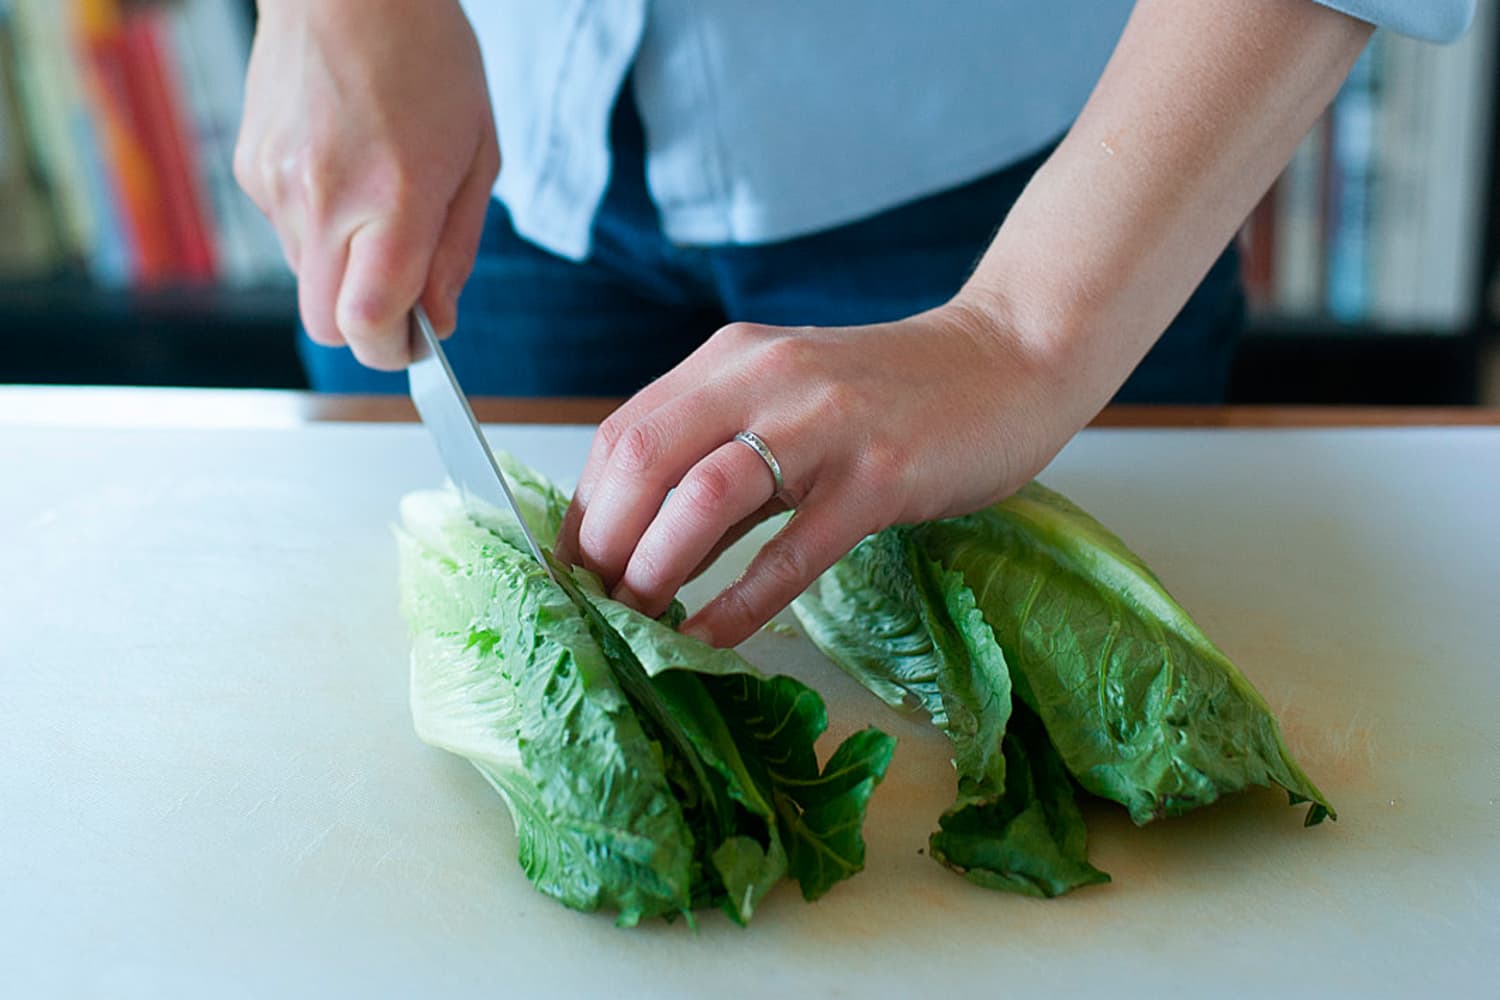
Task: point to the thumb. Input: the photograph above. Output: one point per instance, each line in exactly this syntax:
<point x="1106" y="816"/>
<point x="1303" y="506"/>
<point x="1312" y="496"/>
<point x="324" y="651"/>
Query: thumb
<point x="388" y="263"/>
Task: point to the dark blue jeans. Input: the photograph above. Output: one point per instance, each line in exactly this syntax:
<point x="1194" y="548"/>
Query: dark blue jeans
<point x="535" y="324"/>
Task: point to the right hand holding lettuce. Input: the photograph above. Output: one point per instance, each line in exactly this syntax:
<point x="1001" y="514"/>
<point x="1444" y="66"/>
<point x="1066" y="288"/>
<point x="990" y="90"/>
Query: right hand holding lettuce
<point x="369" y="142"/>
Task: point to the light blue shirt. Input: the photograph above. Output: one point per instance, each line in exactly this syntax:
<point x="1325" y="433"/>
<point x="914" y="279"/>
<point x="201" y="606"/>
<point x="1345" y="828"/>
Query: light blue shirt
<point x="769" y="119"/>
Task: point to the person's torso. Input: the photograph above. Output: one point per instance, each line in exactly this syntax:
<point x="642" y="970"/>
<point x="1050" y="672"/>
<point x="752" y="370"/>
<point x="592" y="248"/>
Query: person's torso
<point x="777" y="118"/>
<point x="771" y="119"/>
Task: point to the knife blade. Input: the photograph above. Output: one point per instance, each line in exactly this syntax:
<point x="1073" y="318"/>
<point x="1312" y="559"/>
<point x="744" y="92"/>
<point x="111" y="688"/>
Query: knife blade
<point x="447" y="415"/>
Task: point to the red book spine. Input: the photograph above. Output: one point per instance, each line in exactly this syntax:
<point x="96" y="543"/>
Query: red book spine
<point x="168" y="142"/>
<point x="133" y="179"/>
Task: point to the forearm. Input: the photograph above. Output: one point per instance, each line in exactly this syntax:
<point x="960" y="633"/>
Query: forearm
<point x="1201" y="106"/>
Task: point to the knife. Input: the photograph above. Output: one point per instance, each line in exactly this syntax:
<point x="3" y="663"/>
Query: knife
<point x="447" y="415"/>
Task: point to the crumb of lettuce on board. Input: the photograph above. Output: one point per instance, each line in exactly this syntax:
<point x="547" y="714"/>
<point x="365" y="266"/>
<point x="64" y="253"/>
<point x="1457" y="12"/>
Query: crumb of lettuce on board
<point x="1054" y="659"/>
<point x="647" y="773"/>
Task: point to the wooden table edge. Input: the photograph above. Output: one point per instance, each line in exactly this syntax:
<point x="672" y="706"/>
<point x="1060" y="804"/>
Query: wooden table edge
<point x="106" y="407"/>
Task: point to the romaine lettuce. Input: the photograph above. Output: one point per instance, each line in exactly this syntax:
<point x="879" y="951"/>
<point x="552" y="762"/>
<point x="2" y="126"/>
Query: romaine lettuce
<point x="1049" y="653"/>
<point x="646" y="772"/>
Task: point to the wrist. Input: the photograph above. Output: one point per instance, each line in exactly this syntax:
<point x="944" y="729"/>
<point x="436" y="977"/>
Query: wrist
<point x="1036" y="338"/>
<point x="1068" y="301"/>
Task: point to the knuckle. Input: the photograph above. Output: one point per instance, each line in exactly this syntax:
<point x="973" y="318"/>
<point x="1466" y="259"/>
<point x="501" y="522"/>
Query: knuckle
<point x="322" y="177"/>
<point x="596" y="549"/>
<point x="839" y="402"/>
<point x="272" y="173"/>
<point x="783" y="565"/>
<point x="887" y="466"/>
<point x="610" y="431"/>
<point x="361" y="323"/>
<point x="280" y="177"/>
<point x="638" y="450"/>
<point x="707" y="488"/>
<point x="590" y="536"/>
<point x="391" y="181"/>
<point x="314" y="174"/>
<point x="734" y="611"/>
<point x="362" y="316"/>
<point x="647" y="573"/>
<point x="243" y="165"/>
<point x="784" y="357"/>
<point x="741" y="332"/>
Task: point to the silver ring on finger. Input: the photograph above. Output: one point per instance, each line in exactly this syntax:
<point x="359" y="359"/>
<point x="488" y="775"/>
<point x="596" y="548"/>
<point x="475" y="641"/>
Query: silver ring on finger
<point x="752" y="440"/>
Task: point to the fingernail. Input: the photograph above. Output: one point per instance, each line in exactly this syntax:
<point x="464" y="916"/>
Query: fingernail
<point x="697" y="630"/>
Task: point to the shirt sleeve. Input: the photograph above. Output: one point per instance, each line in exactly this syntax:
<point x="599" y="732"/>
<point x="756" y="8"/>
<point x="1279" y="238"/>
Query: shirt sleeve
<point x="1429" y="20"/>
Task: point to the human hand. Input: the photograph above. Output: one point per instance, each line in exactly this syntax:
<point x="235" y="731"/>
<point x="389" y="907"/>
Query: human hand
<point x="950" y="410"/>
<point x="368" y="141"/>
<point x="900" y="422"/>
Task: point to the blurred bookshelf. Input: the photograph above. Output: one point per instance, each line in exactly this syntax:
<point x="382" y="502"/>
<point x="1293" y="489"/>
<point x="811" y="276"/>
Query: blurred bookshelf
<point x="1367" y="263"/>
<point x="128" y="255"/>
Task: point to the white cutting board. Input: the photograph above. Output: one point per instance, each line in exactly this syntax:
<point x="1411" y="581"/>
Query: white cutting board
<point x="209" y="784"/>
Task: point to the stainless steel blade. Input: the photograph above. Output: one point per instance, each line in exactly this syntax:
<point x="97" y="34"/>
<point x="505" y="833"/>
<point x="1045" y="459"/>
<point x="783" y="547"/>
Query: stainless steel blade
<point x="446" y="412"/>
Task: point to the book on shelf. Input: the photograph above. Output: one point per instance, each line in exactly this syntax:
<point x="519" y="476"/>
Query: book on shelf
<point x="30" y="240"/>
<point x="170" y="144"/>
<point x="126" y="114"/>
<point x="1377" y="221"/>
<point x="1350" y="203"/>
<point x="207" y="36"/>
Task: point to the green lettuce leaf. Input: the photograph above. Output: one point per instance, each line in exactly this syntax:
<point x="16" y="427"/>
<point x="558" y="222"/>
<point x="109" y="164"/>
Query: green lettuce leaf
<point x="773" y="723"/>
<point x="1048" y="653"/>
<point x="1030" y="839"/>
<point x="646" y="772"/>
